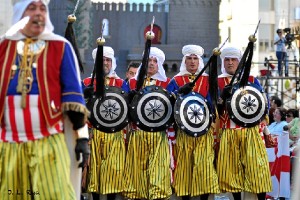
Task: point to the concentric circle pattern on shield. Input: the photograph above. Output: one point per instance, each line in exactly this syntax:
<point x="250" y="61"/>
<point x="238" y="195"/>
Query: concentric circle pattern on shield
<point x="152" y="109"/>
<point x="247" y="105"/>
<point x="192" y="114"/>
<point x="109" y="114"/>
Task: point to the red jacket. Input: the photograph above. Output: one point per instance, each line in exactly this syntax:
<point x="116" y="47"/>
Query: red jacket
<point x="48" y="77"/>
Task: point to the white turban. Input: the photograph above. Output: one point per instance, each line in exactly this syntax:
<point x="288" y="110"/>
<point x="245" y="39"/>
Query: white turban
<point x="108" y="52"/>
<point x="160" y="57"/>
<point x="19" y="7"/>
<point x="189" y="50"/>
<point x="229" y="52"/>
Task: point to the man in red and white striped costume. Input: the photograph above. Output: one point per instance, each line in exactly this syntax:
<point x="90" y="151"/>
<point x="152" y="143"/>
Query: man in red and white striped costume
<point x="39" y="85"/>
<point x="242" y="159"/>
<point x="195" y="174"/>
<point x="147" y="167"/>
<point x="107" y="161"/>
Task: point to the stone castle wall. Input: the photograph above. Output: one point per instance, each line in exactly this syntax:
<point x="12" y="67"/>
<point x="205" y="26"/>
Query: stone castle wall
<point x="185" y="22"/>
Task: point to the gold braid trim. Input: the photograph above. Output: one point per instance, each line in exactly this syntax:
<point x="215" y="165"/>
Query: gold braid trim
<point x="77" y="107"/>
<point x="147" y="81"/>
<point x="25" y="75"/>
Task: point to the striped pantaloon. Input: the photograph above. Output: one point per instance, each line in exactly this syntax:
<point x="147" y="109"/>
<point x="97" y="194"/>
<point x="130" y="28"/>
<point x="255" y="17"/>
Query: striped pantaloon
<point x="37" y="169"/>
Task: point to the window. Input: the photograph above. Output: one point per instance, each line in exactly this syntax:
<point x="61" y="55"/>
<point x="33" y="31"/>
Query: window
<point x="105" y="25"/>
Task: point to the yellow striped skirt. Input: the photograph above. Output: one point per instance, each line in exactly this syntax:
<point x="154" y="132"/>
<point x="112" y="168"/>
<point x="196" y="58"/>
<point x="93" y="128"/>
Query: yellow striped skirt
<point x="147" y="170"/>
<point x="195" y="173"/>
<point x="107" y="163"/>
<point x="242" y="162"/>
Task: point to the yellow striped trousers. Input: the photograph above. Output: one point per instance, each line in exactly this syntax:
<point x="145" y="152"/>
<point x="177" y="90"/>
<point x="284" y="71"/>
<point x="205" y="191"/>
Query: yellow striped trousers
<point x="195" y="173"/>
<point x="37" y="169"/>
<point x="242" y="162"/>
<point x="147" y="170"/>
<point x="107" y="162"/>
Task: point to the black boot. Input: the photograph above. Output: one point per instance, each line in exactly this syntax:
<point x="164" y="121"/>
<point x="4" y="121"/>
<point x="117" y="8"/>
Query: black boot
<point x="261" y="196"/>
<point x="111" y="196"/>
<point x="204" y="196"/>
<point x="187" y="197"/>
<point x="96" y="196"/>
<point x="237" y="196"/>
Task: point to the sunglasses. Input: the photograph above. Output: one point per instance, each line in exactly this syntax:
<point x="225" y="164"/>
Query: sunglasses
<point x="288" y="115"/>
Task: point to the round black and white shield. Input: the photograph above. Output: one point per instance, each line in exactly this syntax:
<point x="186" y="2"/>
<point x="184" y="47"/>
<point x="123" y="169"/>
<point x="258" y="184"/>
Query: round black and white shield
<point x="152" y="108"/>
<point x="109" y="114"/>
<point x="247" y="106"/>
<point x="192" y="114"/>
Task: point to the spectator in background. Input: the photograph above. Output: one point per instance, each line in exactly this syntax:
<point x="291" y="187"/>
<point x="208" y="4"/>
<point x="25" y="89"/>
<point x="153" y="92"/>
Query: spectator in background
<point x="275" y="103"/>
<point x="280" y="171"/>
<point x="280" y="49"/>
<point x="293" y="126"/>
<point x="131" y="70"/>
<point x="276" y="128"/>
<point x="291" y="114"/>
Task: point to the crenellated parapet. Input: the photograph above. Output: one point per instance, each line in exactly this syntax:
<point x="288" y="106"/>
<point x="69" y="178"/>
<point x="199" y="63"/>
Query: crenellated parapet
<point x="206" y="3"/>
<point x="120" y="7"/>
<point x="179" y="22"/>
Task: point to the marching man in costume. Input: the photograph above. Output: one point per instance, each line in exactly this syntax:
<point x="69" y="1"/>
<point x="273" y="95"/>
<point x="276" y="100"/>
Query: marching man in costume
<point x="39" y="87"/>
<point x="147" y="171"/>
<point x="107" y="159"/>
<point x="195" y="173"/>
<point x="242" y="159"/>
